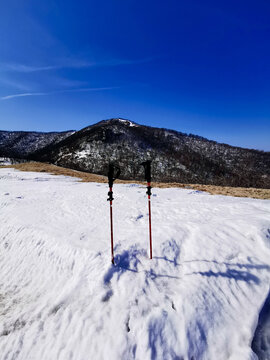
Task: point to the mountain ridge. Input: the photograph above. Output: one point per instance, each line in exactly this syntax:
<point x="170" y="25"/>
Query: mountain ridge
<point x="21" y="143"/>
<point x="176" y="156"/>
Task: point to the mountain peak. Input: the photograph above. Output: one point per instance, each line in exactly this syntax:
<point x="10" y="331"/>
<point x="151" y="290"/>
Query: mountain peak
<point x="123" y="121"/>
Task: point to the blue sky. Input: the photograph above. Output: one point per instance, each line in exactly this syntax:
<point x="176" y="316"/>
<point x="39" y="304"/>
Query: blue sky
<point x="200" y="67"/>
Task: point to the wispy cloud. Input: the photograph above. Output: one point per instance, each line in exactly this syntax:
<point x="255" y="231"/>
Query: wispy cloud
<point x="27" y="68"/>
<point x="8" y="97"/>
<point x="71" y="64"/>
<point x="14" y="83"/>
<point x="117" y="62"/>
<point x="22" y="68"/>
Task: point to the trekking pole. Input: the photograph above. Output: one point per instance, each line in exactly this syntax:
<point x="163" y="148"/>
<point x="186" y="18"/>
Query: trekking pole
<point x="111" y="178"/>
<point x="147" y="170"/>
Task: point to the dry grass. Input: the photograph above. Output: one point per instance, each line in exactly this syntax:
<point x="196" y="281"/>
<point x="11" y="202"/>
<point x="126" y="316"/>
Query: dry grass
<point x="86" y="177"/>
<point x="225" y="190"/>
<point x="57" y="170"/>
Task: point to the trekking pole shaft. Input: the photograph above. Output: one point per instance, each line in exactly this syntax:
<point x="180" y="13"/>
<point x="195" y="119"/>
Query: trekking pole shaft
<point x="111" y="218"/>
<point x="150" y="225"/>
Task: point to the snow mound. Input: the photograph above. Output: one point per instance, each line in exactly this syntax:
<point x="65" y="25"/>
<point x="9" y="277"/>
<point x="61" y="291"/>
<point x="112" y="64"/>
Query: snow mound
<point x="61" y="298"/>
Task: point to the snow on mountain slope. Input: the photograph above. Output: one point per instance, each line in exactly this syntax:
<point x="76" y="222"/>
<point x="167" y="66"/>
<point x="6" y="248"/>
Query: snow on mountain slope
<point x="60" y="297"/>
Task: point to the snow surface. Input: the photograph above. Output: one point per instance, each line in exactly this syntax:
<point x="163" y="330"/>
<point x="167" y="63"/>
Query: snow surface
<point x="60" y="297"/>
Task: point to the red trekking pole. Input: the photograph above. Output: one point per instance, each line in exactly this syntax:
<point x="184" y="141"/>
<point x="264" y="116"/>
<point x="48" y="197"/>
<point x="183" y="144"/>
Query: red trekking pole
<point x="111" y="179"/>
<point x="147" y="170"/>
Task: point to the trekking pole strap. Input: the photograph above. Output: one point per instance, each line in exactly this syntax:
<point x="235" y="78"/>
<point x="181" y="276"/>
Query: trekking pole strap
<point x="110" y="194"/>
<point x="113" y="174"/>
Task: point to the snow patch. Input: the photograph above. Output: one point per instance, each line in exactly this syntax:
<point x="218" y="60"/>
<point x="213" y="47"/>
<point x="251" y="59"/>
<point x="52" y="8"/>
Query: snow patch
<point x="127" y="122"/>
<point x="5" y="161"/>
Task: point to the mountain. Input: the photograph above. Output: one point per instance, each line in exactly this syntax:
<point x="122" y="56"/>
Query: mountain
<point x="19" y="144"/>
<point x="176" y="156"/>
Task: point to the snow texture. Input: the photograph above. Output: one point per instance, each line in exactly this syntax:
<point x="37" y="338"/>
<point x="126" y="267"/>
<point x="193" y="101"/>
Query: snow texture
<point x="61" y="298"/>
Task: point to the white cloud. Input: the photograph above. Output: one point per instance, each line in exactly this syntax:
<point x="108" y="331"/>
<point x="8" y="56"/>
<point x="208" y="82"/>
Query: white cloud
<point x="30" y="68"/>
<point x="8" y="97"/>
<point x="71" y="64"/>
<point x="14" y="83"/>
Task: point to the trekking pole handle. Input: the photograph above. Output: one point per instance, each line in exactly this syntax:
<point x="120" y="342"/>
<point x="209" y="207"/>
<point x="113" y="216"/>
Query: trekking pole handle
<point x="147" y="170"/>
<point x="111" y="174"/>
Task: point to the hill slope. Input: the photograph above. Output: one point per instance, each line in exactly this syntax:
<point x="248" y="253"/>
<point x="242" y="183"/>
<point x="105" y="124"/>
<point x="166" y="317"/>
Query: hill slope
<point x="19" y="144"/>
<point x="176" y="156"/>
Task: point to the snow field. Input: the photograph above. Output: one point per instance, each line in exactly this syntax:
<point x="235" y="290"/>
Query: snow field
<point x="60" y="297"/>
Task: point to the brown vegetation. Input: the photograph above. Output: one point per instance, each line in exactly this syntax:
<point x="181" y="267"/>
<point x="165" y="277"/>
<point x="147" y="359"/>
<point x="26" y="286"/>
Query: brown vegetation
<point x="57" y="170"/>
<point x="86" y="177"/>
